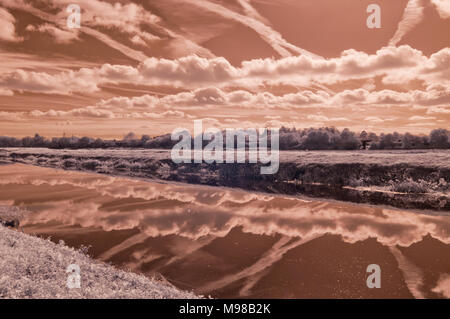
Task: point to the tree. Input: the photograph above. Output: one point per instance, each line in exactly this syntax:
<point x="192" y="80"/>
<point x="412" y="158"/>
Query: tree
<point x="439" y="138"/>
<point x="348" y="140"/>
<point x="317" y="140"/>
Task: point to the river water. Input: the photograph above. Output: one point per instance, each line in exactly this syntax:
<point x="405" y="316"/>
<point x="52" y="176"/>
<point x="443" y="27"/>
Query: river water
<point x="230" y="243"/>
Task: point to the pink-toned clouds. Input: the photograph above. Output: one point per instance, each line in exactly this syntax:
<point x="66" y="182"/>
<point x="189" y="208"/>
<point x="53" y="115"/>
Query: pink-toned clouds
<point x="299" y="218"/>
<point x="394" y="64"/>
<point x="412" y="16"/>
<point x="7" y="28"/>
<point x="60" y="36"/>
<point x="443" y="7"/>
<point x="166" y="73"/>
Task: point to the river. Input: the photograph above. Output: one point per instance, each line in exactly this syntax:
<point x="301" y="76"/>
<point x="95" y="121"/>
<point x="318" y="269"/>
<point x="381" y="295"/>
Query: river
<point x="229" y="243"/>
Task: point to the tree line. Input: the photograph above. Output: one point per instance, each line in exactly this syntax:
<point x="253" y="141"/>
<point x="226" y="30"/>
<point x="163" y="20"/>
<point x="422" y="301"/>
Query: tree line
<point x="326" y="138"/>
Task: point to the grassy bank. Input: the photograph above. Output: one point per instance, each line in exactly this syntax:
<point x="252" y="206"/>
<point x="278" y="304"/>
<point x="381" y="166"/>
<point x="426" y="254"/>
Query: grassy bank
<point x="33" y="267"/>
<point x="404" y="179"/>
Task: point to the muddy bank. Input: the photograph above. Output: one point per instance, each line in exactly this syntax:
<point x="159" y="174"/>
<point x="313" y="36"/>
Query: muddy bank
<point x="404" y="180"/>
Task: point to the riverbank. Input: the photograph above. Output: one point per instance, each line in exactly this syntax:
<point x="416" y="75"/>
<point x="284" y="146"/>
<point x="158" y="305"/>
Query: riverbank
<point x="403" y="179"/>
<point x="35" y="268"/>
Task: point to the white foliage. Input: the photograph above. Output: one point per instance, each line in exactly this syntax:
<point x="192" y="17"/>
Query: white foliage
<point x="32" y="267"/>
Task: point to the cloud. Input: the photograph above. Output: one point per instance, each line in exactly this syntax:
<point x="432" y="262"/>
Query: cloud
<point x="323" y="118"/>
<point x="12" y="61"/>
<point x="443" y="286"/>
<point x="436" y="69"/>
<point x="61" y="83"/>
<point x="60" y="20"/>
<point x="60" y="36"/>
<point x="269" y="258"/>
<point x="299" y="218"/>
<point x="412" y="16"/>
<point x="438" y="110"/>
<point x="127" y="18"/>
<point x="431" y="96"/>
<point x="11" y="116"/>
<point x="443" y="8"/>
<point x="250" y="11"/>
<point x="213" y="97"/>
<point x="130" y="19"/>
<point x="373" y="119"/>
<point x="421" y="118"/>
<point x="6" y="92"/>
<point x="88" y="112"/>
<point x="129" y="52"/>
<point x="217" y="87"/>
<point x="7" y="28"/>
<point x="269" y="35"/>
<point x="167" y="114"/>
<point x="412" y="274"/>
<point x="391" y="63"/>
<point x="138" y="40"/>
<point x="191" y="69"/>
<point x="98" y="113"/>
<point x="395" y="65"/>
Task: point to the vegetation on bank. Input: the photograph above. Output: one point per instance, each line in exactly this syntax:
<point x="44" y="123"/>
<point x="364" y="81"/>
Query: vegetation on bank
<point x="405" y="179"/>
<point x="33" y="267"/>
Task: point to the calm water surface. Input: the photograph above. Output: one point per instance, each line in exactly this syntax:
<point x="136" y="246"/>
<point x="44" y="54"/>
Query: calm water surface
<point x="233" y="243"/>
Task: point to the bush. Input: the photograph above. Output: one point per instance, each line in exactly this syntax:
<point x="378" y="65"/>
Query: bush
<point x="70" y="163"/>
<point x="354" y="182"/>
<point x="411" y="186"/>
<point x="91" y="164"/>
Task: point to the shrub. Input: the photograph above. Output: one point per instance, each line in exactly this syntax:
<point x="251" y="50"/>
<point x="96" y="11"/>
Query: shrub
<point x="91" y="164"/>
<point x="70" y="163"/>
<point x="411" y="186"/>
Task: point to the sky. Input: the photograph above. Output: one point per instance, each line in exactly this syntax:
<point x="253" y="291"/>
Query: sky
<point x="152" y="66"/>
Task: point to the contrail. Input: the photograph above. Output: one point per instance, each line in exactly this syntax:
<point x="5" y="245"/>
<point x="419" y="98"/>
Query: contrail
<point x="268" y="259"/>
<point x="133" y="54"/>
<point x="272" y="37"/>
<point x="251" y="11"/>
<point x="412" y="274"/>
<point x="136" y="55"/>
<point x="412" y="16"/>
